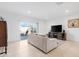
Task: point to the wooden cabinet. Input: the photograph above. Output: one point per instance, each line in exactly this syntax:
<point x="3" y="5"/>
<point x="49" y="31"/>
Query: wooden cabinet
<point x="3" y="35"/>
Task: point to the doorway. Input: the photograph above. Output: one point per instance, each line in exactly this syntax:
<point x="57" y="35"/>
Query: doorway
<point x="26" y="28"/>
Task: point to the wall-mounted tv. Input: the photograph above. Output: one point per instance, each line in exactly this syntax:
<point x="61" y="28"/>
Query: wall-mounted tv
<point x="56" y="28"/>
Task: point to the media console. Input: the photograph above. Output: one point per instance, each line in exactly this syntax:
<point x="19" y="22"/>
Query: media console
<point x="57" y="32"/>
<point x="58" y="35"/>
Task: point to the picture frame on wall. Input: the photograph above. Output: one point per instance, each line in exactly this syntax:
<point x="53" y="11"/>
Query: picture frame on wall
<point x="73" y="23"/>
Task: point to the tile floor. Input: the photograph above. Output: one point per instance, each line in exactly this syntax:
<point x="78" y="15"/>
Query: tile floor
<point x="23" y="49"/>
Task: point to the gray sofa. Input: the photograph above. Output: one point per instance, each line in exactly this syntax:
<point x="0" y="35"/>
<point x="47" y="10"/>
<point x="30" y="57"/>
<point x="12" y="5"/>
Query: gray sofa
<point x="42" y="42"/>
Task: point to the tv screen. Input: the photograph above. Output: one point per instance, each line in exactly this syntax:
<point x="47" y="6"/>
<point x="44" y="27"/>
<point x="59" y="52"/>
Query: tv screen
<point x="56" y="28"/>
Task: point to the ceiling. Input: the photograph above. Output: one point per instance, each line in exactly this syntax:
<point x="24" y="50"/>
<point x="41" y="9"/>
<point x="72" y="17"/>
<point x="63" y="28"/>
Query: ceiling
<point x="41" y="10"/>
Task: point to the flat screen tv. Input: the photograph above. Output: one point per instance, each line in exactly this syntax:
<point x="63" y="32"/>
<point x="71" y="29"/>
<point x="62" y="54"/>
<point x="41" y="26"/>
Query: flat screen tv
<point x="56" y="28"/>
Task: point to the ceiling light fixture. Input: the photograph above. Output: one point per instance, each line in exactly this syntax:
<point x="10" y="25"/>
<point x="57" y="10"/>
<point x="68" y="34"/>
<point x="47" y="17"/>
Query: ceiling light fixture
<point x="29" y="11"/>
<point x="67" y="11"/>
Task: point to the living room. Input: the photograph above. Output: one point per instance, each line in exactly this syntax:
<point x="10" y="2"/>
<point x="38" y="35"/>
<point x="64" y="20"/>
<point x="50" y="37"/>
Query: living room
<point x="47" y="15"/>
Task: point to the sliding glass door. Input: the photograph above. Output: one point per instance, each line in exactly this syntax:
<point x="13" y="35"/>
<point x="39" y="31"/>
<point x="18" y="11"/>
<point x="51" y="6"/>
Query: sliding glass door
<point x="27" y="28"/>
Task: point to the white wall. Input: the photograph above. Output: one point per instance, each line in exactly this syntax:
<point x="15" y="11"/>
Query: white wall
<point x="72" y="33"/>
<point x="41" y="23"/>
<point x="44" y="26"/>
<point x="13" y="24"/>
<point x="44" y="10"/>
